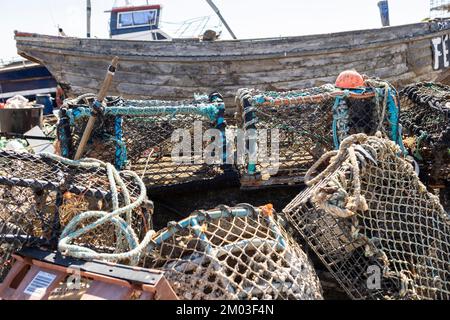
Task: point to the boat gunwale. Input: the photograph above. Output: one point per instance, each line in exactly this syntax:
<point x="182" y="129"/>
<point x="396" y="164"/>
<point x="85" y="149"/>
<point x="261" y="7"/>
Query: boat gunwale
<point x="227" y="57"/>
<point x="266" y="39"/>
<point x="61" y="54"/>
<point x="29" y="40"/>
<point x="25" y="66"/>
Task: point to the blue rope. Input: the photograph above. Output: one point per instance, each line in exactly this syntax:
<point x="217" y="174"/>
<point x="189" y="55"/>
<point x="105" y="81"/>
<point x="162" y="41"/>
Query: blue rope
<point x="209" y="111"/>
<point x="394" y="113"/>
<point x="221" y="125"/>
<point x="121" y="149"/>
<point x="334" y="125"/>
<point x="63" y="136"/>
<point x="196" y="219"/>
<point x="340" y="114"/>
<point x="393" y="116"/>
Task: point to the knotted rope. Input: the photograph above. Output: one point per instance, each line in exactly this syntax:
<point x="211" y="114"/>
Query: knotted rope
<point x="358" y="212"/>
<point x="334" y="199"/>
<point x="124" y="228"/>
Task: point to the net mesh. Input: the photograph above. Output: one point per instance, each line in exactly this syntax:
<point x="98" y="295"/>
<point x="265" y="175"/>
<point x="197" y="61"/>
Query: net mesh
<point x="373" y="224"/>
<point x="311" y="122"/>
<point x="138" y="135"/>
<point x="40" y="195"/>
<point x="233" y="253"/>
<point x="425" y="119"/>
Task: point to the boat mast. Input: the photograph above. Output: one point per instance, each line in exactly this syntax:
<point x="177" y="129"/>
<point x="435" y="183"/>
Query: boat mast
<point x="216" y="10"/>
<point x="88" y="13"/>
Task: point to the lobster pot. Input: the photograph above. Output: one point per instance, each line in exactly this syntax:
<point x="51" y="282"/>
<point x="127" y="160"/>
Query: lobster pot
<point x="233" y="253"/>
<point x="373" y="224"/>
<point x="166" y="144"/>
<point x="303" y="124"/>
<point x="425" y="119"/>
<point x="40" y="195"/>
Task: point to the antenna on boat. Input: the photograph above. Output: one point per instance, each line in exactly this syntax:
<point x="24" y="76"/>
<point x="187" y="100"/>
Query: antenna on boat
<point x="383" y="5"/>
<point x="88" y="13"/>
<point x="216" y="10"/>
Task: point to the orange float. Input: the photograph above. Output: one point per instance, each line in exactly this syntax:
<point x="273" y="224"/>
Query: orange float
<point x="349" y="79"/>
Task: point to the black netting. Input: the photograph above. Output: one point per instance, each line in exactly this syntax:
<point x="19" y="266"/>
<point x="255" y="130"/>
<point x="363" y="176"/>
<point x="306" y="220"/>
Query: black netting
<point x="138" y="135"/>
<point x="311" y="122"/>
<point x="425" y="118"/>
<point x="41" y="194"/>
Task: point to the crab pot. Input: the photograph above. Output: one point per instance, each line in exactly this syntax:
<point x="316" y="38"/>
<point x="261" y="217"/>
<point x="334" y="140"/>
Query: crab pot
<point x="239" y="253"/>
<point x="425" y="119"/>
<point x="144" y="136"/>
<point x="374" y="225"/>
<point x="306" y="123"/>
<point x="40" y="195"/>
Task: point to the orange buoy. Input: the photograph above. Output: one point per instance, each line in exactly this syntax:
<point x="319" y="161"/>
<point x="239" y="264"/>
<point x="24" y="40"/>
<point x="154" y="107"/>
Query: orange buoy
<point x="267" y="210"/>
<point x="349" y="79"/>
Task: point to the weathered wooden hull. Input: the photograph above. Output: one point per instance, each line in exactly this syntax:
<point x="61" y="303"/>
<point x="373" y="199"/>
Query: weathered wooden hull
<point x="177" y="69"/>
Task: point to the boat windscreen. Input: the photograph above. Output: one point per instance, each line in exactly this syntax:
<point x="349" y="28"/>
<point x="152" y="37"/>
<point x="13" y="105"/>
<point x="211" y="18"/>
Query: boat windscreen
<point x="125" y="19"/>
<point x="137" y="18"/>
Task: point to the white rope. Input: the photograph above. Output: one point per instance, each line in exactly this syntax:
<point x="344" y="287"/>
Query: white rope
<point x="336" y="158"/>
<point x="72" y="231"/>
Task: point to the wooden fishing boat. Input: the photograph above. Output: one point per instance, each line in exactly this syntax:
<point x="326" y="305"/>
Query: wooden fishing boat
<point x="177" y="68"/>
<point x="26" y="78"/>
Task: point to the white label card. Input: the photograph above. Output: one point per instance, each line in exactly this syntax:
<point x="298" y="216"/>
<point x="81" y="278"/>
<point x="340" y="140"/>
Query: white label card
<point x="40" y="283"/>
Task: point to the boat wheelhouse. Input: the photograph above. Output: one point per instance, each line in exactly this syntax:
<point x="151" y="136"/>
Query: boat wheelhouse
<point x="137" y="23"/>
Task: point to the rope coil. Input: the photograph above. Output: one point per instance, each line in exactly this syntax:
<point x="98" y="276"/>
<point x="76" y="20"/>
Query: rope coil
<point x="357" y="213"/>
<point x="73" y="231"/>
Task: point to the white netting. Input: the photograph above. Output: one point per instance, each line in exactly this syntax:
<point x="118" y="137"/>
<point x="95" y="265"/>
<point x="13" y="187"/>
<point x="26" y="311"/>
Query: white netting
<point x="368" y="212"/>
<point x="233" y="253"/>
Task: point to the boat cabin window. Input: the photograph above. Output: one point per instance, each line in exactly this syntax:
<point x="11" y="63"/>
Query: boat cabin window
<point x="136" y="19"/>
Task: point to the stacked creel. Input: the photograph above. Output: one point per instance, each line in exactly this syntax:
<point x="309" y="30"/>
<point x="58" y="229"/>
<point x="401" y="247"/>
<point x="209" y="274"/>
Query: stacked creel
<point x="425" y="118"/>
<point x="238" y="253"/>
<point x="144" y="135"/>
<point x="306" y="123"/>
<point x="373" y="224"/>
<point x="83" y="208"/>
